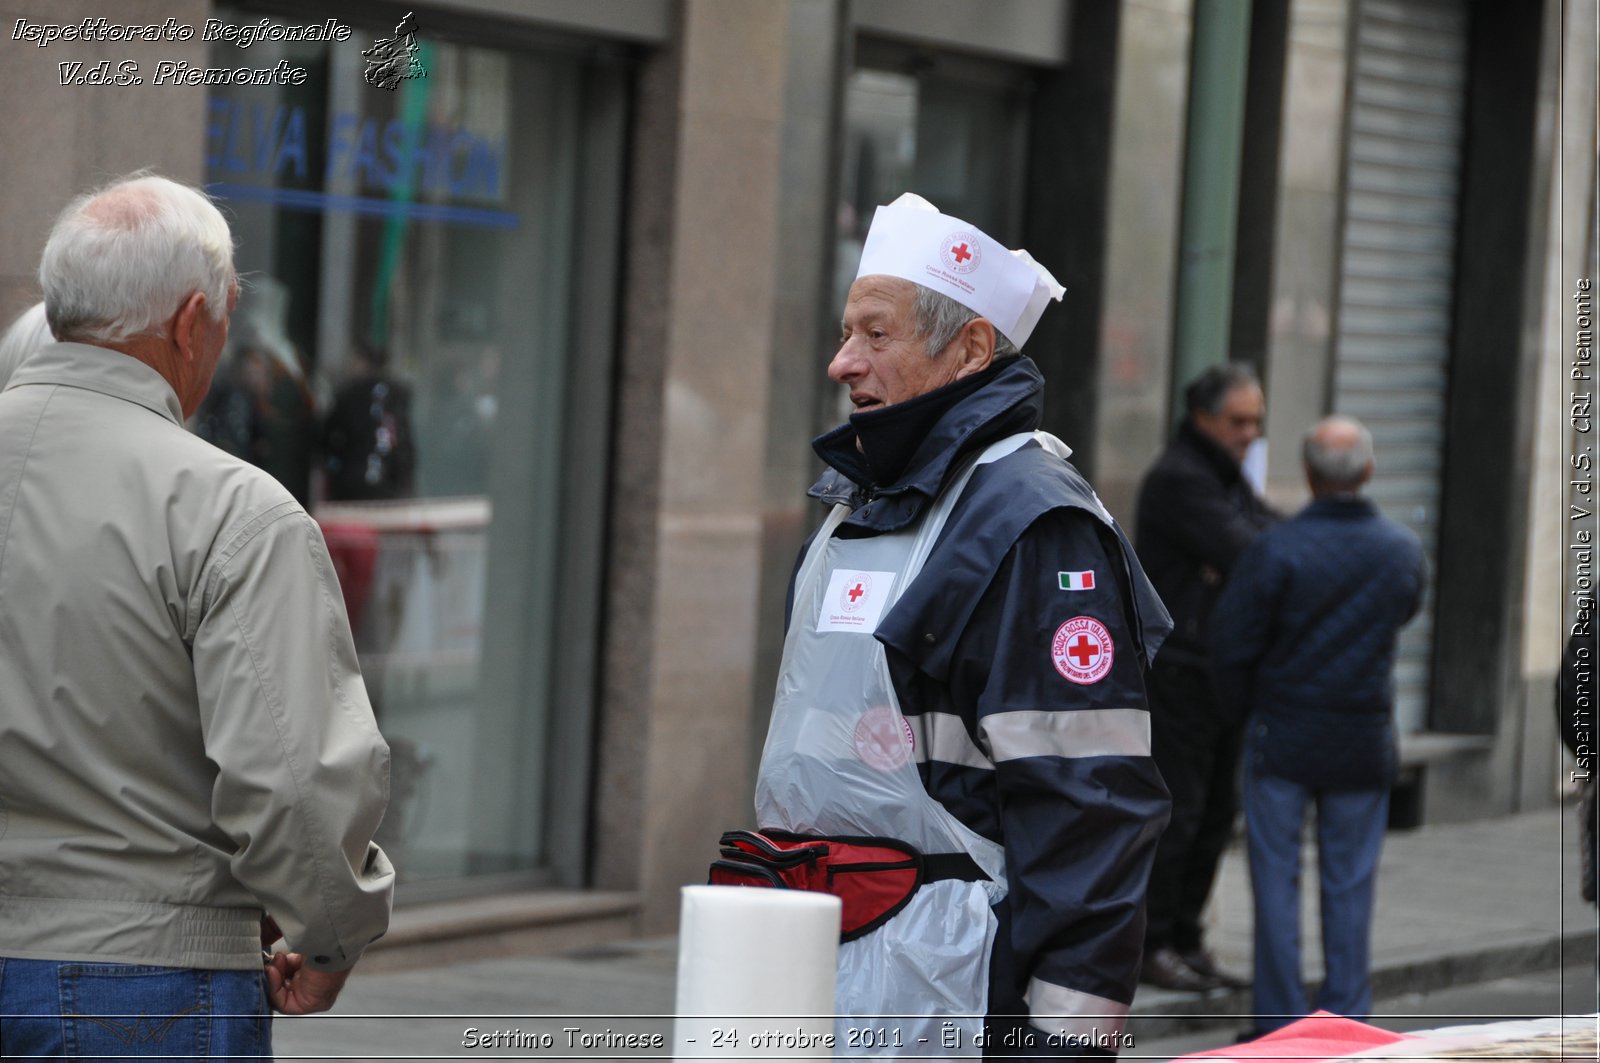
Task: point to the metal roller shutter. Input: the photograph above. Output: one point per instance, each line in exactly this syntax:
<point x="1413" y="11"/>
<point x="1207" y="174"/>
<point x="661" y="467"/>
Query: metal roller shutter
<point x="1402" y="171"/>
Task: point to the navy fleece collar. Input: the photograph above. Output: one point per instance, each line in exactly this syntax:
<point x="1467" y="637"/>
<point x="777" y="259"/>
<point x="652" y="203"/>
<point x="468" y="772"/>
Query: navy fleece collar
<point x="889" y="438"/>
<point x="1009" y="401"/>
<point x="1343" y="505"/>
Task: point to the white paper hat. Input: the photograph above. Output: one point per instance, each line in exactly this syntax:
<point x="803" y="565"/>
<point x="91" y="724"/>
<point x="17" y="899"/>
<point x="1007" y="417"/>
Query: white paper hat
<point x="911" y="240"/>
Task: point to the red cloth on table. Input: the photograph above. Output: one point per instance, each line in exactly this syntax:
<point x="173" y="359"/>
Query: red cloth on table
<point x="1321" y="1035"/>
<point x="353" y="549"/>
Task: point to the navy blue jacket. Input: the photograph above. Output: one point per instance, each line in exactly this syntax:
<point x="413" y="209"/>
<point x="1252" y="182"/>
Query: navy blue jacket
<point x="1055" y="769"/>
<point x="1304" y="635"/>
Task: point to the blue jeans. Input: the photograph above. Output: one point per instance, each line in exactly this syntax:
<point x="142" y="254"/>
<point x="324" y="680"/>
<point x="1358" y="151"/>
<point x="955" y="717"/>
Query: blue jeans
<point x="90" y="1011"/>
<point x="1350" y="826"/>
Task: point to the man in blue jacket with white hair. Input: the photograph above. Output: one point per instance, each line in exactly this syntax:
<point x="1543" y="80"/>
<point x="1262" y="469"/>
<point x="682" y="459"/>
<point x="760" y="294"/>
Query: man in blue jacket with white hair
<point x="1304" y="635"/>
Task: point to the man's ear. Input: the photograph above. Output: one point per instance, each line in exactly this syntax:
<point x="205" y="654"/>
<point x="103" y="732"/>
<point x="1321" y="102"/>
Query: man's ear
<point x="187" y="325"/>
<point x="974" y="347"/>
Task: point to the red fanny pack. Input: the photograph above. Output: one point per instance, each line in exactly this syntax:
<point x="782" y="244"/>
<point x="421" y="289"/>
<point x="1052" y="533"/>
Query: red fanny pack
<point x="874" y="877"/>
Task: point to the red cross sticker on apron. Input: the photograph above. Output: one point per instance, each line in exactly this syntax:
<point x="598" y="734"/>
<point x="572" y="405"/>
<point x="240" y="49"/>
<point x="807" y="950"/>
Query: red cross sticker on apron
<point x="855" y="591"/>
<point x="1082" y="650"/>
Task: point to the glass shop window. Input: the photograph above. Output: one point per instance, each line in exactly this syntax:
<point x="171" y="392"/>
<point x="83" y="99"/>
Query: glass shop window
<point x="404" y="358"/>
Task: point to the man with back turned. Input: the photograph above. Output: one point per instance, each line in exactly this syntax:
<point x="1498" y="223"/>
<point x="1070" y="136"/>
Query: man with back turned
<point x="188" y="760"/>
<point x="1305" y="636"/>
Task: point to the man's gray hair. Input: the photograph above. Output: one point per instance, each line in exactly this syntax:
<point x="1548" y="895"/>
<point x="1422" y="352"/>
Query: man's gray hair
<point x="1207" y="391"/>
<point x="122" y="259"/>
<point x="939" y="318"/>
<point x="1343" y="468"/>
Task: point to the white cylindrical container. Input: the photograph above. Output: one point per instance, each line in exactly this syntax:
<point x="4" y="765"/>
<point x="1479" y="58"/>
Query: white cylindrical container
<point x="756" y="972"/>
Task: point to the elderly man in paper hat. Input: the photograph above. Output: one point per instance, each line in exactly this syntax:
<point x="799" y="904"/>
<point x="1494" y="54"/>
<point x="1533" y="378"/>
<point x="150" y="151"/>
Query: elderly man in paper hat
<point x="962" y="676"/>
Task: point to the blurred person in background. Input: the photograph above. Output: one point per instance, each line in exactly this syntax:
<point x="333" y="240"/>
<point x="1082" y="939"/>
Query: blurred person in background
<point x="260" y="406"/>
<point x="1304" y="637"/>
<point x="29" y="332"/>
<point x="368" y="445"/>
<point x="1196" y="515"/>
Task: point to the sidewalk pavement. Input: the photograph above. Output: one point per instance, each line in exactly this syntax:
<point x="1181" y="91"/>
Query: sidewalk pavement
<point x="1457" y="903"/>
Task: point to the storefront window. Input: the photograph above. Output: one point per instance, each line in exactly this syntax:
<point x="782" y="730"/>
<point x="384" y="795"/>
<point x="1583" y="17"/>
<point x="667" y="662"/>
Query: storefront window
<point x="405" y="359"/>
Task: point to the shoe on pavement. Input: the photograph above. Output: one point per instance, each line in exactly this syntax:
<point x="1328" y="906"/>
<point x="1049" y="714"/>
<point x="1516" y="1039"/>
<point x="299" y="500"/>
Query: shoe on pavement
<point x="1164" y="968"/>
<point x="1202" y="961"/>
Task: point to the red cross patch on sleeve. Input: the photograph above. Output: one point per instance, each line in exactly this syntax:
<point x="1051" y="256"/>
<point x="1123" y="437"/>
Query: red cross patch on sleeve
<point x="1082" y="650"/>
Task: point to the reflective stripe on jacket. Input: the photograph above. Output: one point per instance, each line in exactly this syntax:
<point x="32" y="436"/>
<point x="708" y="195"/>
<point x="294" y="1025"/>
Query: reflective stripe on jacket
<point x="1049" y="759"/>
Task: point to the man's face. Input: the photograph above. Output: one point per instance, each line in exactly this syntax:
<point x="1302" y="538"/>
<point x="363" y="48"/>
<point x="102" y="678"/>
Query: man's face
<point x="1237" y="424"/>
<point x="881" y="359"/>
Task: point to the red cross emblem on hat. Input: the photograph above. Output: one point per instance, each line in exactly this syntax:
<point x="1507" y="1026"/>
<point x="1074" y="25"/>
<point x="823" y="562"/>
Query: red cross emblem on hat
<point x="1082" y="650"/>
<point x="960" y="252"/>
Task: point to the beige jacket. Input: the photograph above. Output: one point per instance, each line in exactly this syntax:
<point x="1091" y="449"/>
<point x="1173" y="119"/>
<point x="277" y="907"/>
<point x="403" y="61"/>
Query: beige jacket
<point x="185" y="739"/>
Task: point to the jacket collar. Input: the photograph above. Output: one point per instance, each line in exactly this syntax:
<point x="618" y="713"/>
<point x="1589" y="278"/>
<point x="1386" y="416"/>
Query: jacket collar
<point x="1220" y="460"/>
<point x="1010" y="402"/>
<point x="1341" y="506"/>
<point x="102" y="370"/>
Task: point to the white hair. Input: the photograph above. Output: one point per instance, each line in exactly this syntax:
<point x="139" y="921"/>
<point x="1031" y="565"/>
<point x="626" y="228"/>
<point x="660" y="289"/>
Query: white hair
<point x="27" y="334"/>
<point x="939" y="317"/>
<point x="122" y="259"/>
<point x="1341" y="464"/>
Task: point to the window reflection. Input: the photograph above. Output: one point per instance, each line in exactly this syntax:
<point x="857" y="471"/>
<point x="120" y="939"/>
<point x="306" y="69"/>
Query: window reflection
<point x="404" y="256"/>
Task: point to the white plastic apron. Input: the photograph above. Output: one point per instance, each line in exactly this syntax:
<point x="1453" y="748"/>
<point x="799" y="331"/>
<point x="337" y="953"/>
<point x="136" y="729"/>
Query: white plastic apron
<point x="839" y="760"/>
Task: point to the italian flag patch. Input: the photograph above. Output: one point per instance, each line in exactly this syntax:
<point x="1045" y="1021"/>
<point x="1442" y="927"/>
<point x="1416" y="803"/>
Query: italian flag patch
<point x="1076" y="581"/>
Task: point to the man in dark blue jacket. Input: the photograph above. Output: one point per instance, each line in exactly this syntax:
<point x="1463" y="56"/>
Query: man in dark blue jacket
<point x="1304" y="634"/>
